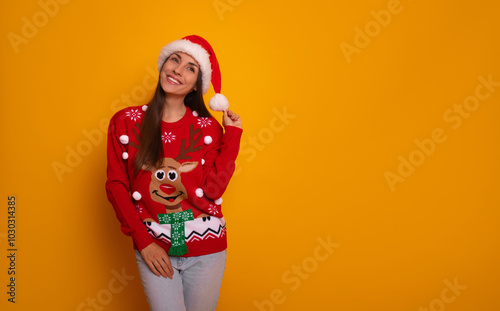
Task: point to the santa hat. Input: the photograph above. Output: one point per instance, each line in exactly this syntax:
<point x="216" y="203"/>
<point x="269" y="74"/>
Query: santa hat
<point x="203" y="53"/>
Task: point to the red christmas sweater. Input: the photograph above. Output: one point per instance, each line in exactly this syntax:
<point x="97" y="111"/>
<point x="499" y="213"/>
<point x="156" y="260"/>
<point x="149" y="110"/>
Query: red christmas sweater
<point x="199" y="160"/>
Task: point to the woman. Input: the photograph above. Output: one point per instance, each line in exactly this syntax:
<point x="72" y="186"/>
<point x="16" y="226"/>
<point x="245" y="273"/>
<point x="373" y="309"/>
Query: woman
<point x="169" y="162"/>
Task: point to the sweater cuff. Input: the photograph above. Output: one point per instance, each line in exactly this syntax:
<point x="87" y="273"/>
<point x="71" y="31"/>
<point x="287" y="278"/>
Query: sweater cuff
<point x="141" y="240"/>
<point x="233" y="131"/>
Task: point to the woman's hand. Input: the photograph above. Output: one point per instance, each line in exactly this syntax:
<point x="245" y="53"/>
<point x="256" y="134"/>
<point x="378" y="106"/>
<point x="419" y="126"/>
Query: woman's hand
<point x="157" y="260"/>
<point x="230" y="118"/>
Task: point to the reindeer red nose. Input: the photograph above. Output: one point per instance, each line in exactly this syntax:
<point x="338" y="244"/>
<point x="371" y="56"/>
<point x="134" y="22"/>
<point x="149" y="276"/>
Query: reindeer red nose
<point x="168" y="189"/>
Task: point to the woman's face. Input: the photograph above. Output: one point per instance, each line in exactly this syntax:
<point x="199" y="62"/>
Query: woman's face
<point x="179" y="74"/>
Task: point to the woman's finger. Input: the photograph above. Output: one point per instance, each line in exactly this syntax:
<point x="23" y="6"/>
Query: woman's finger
<point x="232" y="115"/>
<point x="168" y="265"/>
<point x="160" y="269"/>
<point x="153" y="268"/>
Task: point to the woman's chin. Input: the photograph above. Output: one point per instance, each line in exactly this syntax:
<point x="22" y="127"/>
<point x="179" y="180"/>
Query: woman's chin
<point x="172" y="91"/>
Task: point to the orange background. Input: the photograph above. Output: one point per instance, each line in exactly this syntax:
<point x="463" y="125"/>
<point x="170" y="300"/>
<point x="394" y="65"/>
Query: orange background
<point x="339" y="99"/>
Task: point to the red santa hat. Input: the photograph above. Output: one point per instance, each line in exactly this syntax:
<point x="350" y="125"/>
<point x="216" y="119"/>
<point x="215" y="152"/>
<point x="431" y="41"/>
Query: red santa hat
<point x="203" y="53"/>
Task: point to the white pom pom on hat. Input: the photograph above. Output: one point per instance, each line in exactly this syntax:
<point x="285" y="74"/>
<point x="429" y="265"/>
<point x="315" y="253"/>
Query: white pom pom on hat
<point x="218" y="102"/>
<point x="202" y="51"/>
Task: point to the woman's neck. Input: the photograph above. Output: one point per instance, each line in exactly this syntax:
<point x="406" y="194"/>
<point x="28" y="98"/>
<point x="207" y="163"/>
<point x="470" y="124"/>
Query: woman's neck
<point x="173" y="109"/>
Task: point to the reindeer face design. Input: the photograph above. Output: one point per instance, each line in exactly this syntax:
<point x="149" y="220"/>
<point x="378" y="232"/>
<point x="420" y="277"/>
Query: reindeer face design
<point x="166" y="186"/>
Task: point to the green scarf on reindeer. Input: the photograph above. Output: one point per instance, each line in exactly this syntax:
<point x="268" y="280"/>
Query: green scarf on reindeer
<point x="176" y="221"/>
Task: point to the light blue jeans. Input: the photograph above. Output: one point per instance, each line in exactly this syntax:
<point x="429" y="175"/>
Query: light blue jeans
<point x="195" y="284"/>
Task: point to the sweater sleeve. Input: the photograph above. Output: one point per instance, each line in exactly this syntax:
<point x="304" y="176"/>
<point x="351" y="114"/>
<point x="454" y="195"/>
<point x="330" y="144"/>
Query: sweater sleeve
<point x="220" y="162"/>
<point x="118" y="186"/>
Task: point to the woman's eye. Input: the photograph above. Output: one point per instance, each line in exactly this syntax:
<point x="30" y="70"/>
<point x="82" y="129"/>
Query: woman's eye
<point x="160" y="175"/>
<point x="175" y="59"/>
<point x="191" y="68"/>
<point x="172" y="175"/>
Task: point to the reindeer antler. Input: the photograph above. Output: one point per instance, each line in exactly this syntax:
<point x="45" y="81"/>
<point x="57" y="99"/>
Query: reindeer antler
<point x="192" y="143"/>
<point x="136" y="136"/>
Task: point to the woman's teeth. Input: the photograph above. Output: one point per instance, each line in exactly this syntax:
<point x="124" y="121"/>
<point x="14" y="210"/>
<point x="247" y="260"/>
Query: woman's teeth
<point x="172" y="80"/>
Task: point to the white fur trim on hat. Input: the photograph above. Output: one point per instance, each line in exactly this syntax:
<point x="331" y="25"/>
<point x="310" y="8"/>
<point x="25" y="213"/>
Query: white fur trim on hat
<point x="196" y="51"/>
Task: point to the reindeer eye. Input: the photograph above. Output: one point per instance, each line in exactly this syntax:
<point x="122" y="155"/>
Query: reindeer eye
<point x="172" y="175"/>
<point x="160" y="174"/>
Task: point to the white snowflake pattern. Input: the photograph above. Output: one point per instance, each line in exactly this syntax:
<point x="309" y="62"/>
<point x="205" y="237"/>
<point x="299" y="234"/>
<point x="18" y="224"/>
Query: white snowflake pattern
<point x="139" y="208"/>
<point x="167" y="137"/>
<point x="204" y="121"/>
<point x="133" y="114"/>
<point x="213" y="209"/>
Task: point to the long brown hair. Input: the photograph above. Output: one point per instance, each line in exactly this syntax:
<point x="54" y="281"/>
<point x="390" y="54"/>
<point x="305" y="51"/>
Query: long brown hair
<point x="150" y="152"/>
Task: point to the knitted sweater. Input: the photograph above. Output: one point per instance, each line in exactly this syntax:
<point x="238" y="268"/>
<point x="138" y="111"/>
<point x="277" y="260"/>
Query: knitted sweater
<point x="182" y="197"/>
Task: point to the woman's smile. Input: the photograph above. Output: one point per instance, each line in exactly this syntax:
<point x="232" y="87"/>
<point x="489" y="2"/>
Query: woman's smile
<point x="173" y="80"/>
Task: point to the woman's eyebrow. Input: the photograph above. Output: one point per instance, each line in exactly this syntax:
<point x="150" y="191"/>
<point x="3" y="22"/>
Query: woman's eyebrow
<point x="193" y="64"/>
